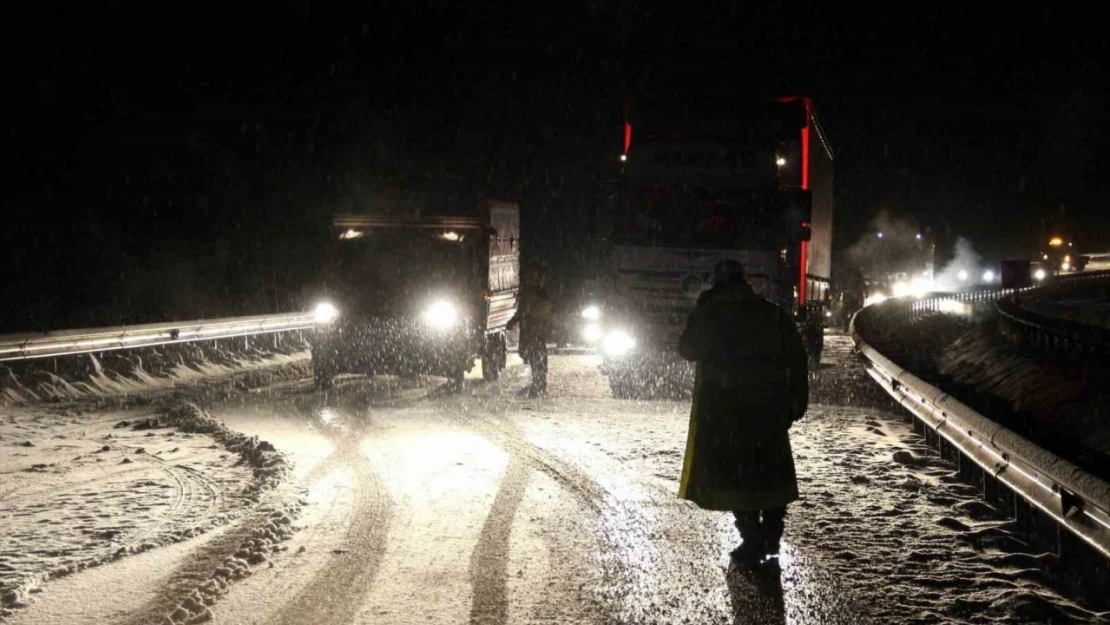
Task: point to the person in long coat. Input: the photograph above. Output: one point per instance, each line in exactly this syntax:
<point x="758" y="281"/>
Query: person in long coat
<point x="752" y="384"/>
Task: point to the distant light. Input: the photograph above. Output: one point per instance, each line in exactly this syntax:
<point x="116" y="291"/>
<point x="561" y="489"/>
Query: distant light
<point x="1044" y="256"/>
<point x="918" y="287"/>
<point x="1070" y="243"/>
<point x="962" y="275"/>
<point x="921" y="286"/>
<point x="952" y="307"/>
<point x="592" y="313"/>
<point x="450" y="236"/>
<point x="780" y="161"/>
<point x="1039" y="274"/>
<point x="624" y="157"/>
<point x="1067" y="258"/>
<point x="918" y="236"/>
<point x="1055" y="242"/>
<point x="874" y="298"/>
<point x="828" y="313"/>
<point x="988" y="276"/>
<point x="1065" y="266"/>
<point x="351" y="234"/>
<point x="880" y="235"/>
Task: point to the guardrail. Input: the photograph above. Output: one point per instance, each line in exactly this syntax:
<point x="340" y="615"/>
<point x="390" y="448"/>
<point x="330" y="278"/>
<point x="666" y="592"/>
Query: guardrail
<point x="1077" y="500"/>
<point x="1052" y="334"/>
<point x="72" y="342"/>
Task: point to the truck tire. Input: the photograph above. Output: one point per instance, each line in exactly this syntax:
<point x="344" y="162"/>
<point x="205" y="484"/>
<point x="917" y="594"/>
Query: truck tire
<point x="493" y="361"/>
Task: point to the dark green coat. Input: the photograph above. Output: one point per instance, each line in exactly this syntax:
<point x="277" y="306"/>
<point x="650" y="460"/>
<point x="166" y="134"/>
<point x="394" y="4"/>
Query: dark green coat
<point x="752" y="383"/>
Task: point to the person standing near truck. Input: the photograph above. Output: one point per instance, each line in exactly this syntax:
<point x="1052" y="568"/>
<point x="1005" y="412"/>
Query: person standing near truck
<point x="751" y="385"/>
<point x="535" y="318"/>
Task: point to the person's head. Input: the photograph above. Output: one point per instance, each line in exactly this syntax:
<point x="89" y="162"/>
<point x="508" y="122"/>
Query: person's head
<point x="727" y="272"/>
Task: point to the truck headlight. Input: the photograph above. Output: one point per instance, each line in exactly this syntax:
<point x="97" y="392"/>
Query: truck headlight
<point x="325" y="313"/>
<point x="618" y="343"/>
<point x="593" y="313"/>
<point x="441" y="315"/>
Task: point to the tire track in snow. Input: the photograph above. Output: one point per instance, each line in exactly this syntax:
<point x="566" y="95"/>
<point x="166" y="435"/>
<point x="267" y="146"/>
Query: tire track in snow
<point x="337" y="592"/>
<point x="490" y="559"/>
<point x="490" y="588"/>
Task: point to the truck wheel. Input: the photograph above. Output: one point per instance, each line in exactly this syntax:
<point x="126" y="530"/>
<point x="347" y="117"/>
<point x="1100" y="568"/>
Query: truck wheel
<point x="493" y="361"/>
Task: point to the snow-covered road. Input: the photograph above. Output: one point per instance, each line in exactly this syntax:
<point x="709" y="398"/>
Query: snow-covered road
<point x="417" y="506"/>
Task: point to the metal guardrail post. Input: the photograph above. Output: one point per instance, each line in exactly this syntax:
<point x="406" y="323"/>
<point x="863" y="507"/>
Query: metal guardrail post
<point x="1076" y="500"/>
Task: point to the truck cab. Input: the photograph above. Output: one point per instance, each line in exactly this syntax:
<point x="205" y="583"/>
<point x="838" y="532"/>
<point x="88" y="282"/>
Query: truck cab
<point x="410" y="294"/>
<point x="757" y="189"/>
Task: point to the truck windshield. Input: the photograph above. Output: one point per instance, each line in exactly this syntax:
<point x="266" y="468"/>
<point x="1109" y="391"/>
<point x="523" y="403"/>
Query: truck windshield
<point x="397" y="264"/>
<point x="699" y="216"/>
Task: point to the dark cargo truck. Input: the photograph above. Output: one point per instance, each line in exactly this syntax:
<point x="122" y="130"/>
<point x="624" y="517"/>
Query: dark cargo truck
<point x="419" y="295"/>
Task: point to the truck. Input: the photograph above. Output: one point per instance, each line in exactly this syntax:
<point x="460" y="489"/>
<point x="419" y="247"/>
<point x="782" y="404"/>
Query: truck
<point x="413" y="289"/>
<point x="1058" y="255"/>
<point x="756" y="188"/>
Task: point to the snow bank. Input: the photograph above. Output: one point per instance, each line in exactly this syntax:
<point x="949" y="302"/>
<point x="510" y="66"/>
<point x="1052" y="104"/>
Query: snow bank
<point x="124" y="372"/>
<point x="1058" y="405"/>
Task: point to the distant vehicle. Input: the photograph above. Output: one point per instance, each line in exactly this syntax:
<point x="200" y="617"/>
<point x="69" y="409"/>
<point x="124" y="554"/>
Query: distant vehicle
<point x="578" y="314"/>
<point x="411" y="294"/>
<point x="898" y="264"/>
<point x="1059" y="256"/>
<point x="688" y="195"/>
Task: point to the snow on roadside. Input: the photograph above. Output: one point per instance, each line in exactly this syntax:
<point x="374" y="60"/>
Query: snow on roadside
<point x="132" y="371"/>
<point x="876" y="502"/>
<point x="80" y="489"/>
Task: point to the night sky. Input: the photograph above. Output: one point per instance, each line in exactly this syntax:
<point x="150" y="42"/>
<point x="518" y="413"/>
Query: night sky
<point x="179" y="163"/>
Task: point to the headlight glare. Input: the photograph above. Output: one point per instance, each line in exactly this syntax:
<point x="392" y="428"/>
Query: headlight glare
<point x="325" y="312"/>
<point x="618" y="343"/>
<point x="593" y="313"/>
<point x="441" y="315"/>
<point x="592" y="333"/>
